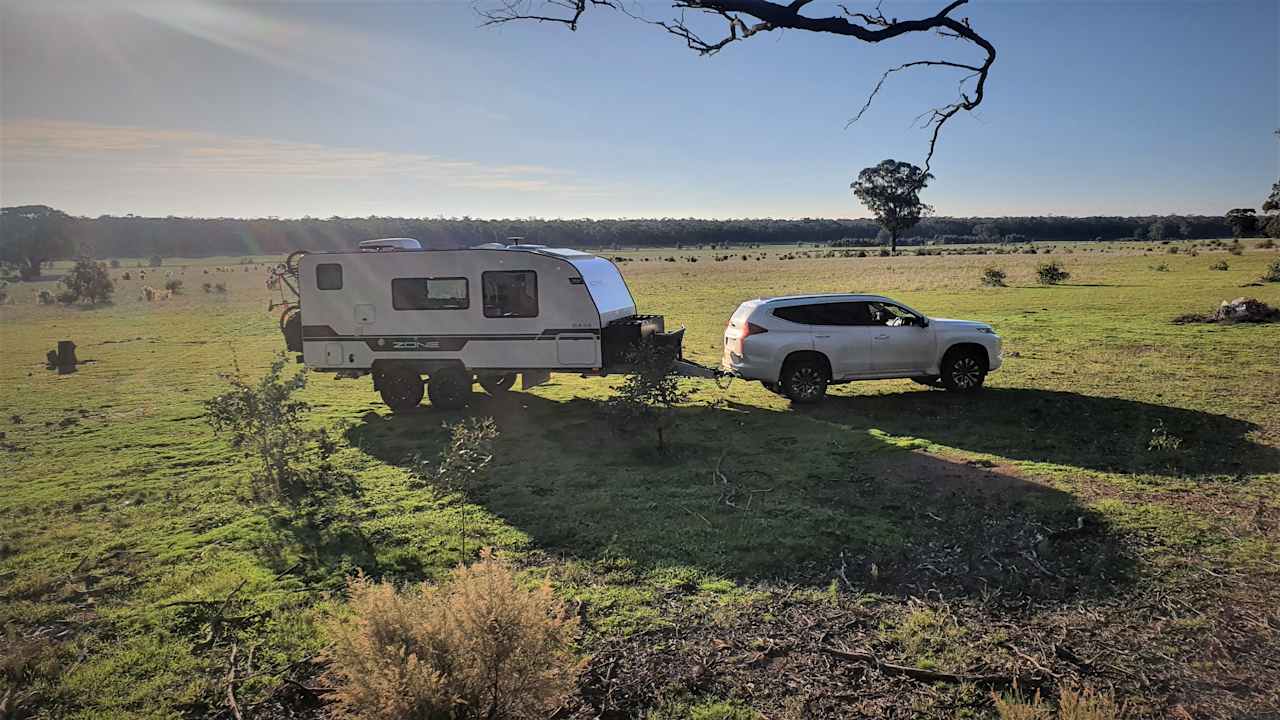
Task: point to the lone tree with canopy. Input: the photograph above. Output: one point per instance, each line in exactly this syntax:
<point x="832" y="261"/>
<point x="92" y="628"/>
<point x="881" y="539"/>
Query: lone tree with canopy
<point x="891" y="190"/>
<point x="739" y="20"/>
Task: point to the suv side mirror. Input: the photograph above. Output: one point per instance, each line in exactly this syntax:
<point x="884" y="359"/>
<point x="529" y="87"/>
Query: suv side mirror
<point x="922" y="321"/>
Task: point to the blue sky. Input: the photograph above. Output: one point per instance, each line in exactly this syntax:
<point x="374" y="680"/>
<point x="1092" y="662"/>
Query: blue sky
<point x="197" y="108"/>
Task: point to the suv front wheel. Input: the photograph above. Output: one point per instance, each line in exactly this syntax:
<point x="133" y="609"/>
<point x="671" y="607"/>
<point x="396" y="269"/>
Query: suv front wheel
<point x="805" y="380"/>
<point x="963" y="371"/>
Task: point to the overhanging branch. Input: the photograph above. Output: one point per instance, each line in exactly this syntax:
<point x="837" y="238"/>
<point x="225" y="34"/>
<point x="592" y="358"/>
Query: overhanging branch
<point x="871" y="27"/>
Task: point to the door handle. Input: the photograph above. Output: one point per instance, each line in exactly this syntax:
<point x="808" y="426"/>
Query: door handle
<point x="822" y="337"/>
<point x="882" y="337"/>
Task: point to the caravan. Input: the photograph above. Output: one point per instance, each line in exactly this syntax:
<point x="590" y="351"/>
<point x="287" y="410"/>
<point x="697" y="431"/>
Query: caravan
<point x="440" y="320"/>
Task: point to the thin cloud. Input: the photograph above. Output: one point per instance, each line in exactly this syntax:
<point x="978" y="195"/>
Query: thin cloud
<point x="55" y="144"/>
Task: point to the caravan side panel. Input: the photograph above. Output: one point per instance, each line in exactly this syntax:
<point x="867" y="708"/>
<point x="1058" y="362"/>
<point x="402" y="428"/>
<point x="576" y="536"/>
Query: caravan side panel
<point x="355" y="312"/>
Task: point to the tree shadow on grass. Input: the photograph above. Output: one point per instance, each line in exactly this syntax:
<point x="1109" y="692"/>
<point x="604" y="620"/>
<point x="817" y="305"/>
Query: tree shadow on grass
<point x="800" y="498"/>
<point x="1108" y="434"/>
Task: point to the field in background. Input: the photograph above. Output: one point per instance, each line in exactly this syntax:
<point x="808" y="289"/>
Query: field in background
<point x="1105" y="512"/>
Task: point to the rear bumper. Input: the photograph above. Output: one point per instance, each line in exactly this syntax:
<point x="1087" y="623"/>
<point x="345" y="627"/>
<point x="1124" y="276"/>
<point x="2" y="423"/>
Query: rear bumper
<point x="742" y="367"/>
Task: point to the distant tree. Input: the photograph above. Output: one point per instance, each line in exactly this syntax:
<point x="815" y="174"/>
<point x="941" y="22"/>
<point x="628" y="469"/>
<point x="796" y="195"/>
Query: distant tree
<point x="1243" y="222"/>
<point x="1140" y="232"/>
<point x="987" y="232"/>
<point x="1272" y="208"/>
<point x="32" y="235"/>
<point x="1156" y="230"/>
<point x="1013" y="238"/>
<point x="88" y="280"/>
<point x="891" y="190"/>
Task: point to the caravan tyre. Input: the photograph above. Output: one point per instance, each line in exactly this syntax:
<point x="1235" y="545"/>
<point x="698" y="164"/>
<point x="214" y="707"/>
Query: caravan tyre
<point x="401" y="390"/>
<point x="449" y="389"/>
<point x="497" y="385"/>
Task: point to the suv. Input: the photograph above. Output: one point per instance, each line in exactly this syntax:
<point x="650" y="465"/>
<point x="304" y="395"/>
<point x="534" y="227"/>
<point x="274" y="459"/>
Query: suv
<point x="798" y="345"/>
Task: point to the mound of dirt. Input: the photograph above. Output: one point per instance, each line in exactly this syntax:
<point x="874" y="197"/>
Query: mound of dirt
<point x="1235" y="311"/>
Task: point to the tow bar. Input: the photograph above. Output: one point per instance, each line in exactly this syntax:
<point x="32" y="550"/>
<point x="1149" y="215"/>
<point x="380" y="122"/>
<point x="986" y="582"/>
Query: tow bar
<point x="689" y="368"/>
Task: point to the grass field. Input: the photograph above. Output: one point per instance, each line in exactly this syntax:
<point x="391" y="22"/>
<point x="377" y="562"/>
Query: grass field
<point x="1105" y="513"/>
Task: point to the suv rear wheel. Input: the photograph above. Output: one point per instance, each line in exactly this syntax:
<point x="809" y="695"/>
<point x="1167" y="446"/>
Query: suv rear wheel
<point x="805" y="380"/>
<point x="963" y="370"/>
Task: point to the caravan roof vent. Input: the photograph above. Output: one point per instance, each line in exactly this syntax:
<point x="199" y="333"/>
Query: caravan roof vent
<point x="390" y="244"/>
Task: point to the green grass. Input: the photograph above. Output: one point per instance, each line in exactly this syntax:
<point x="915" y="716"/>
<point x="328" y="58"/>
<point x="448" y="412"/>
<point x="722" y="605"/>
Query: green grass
<point x="118" y="503"/>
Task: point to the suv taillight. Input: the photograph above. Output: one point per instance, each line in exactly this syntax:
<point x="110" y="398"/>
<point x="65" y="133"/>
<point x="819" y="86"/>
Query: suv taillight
<point x="753" y="329"/>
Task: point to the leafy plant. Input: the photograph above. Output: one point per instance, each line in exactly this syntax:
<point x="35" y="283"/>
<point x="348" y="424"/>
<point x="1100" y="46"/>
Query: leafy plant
<point x="265" y="421"/>
<point x="1051" y="273"/>
<point x="173" y="285"/>
<point x="1220" y="265"/>
<point x="1273" y="272"/>
<point x="650" y="392"/>
<point x="478" y="646"/>
<point x="88" y="280"/>
<point x="993" y="276"/>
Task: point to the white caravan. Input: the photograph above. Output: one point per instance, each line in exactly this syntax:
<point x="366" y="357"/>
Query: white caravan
<point x="486" y="314"/>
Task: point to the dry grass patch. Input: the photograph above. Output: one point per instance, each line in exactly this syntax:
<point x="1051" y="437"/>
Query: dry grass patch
<point x="477" y="646"/>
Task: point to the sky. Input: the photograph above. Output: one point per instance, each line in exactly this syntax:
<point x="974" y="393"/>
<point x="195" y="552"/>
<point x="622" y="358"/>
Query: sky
<point x="414" y="109"/>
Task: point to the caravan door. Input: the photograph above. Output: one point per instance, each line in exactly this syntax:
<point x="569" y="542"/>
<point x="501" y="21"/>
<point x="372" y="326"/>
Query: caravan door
<point x="577" y="350"/>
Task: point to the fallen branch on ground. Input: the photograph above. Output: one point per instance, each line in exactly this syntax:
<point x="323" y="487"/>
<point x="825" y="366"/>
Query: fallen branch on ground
<point x="929" y="675"/>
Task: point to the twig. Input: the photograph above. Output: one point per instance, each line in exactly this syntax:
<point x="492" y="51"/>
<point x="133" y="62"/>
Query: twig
<point x="231" y="685"/>
<point x="698" y="515"/>
<point x="926" y="675"/>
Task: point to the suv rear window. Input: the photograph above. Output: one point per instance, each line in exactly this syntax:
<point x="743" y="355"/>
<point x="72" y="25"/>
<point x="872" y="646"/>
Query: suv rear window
<point x="834" y="313"/>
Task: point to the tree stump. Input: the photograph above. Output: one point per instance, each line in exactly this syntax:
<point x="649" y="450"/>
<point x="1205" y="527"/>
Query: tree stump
<point x="66" y="357"/>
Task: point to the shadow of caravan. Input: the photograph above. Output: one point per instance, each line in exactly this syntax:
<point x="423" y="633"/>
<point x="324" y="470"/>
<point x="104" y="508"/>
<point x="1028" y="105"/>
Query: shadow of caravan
<point x="435" y="322"/>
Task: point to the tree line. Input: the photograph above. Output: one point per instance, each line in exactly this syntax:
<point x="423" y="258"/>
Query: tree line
<point x="34" y="234"/>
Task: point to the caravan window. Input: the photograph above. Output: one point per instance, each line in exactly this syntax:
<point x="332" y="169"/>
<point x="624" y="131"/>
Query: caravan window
<point x="510" y="293"/>
<point x="328" y="276"/>
<point x="447" y="293"/>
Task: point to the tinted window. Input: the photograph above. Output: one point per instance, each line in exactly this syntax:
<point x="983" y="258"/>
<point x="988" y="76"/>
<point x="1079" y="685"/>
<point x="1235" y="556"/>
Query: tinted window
<point x="795" y="313"/>
<point x="329" y="276"/>
<point x="510" y="293"/>
<point x="449" y="293"/>
<point x="838" y="313"/>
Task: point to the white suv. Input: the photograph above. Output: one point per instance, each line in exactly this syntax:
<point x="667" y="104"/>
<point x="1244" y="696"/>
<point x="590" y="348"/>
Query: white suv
<point x="798" y="345"/>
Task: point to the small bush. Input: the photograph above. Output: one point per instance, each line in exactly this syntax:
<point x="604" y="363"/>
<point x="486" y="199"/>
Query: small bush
<point x="1266" y="244"/>
<point x="1086" y="704"/>
<point x="126" y="276"/>
<point x="1162" y="267"/>
<point x="478" y="646"/>
<point x="173" y="285"/>
<point x="650" y="392"/>
<point x="155" y="261"/>
<point x="115" y="264"/>
<point x="1173" y="250"/>
<point x="207" y="287"/>
<point x="88" y="280"/>
<point x="1051" y="273"/>
<point x="1220" y="265"/>
<point x="45" y="297"/>
<point x="265" y="422"/>
<point x="220" y="288"/>
<point x="1273" y="272"/>
<point x="1235" y="248"/>
<point x="993" y="276"/>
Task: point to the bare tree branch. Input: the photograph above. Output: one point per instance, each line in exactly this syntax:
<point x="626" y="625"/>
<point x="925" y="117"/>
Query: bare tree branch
<point x="871" y="27"/>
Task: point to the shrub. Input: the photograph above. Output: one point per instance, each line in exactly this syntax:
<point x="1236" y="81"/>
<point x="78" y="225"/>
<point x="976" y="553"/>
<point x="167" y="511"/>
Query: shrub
<point x="1085" y="704"/>
<point x="1220" y="265"/>
<point x="115" y="264"/>
<point x="1162" y="267"/>
<point x="220" y="288"/>
<point x="993" y="276"/>
<point x="1266" y="244"/>
<point x="45" y="297"/>
<point x="650" y="392"/>
<point x="88" y="280"/>
<point x="1273" y="272"/>
<point x="155" y="261"/>
<point x="207" y="287"/>
<point x="1051" y="273"/>
<point x="1235" y="248"/>
<point x="173" y="285"/>
<point x="126" y="276"/>
<point x="478" y="646"/>
<point x="1173" y="250"/>
<point x="265" y="421"/>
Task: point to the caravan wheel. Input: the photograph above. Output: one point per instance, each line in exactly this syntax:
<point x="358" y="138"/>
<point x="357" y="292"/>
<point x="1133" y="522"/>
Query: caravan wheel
<point x="401" y="390"/>
<point x="497" y="385"/>
<point x="449" y="389"/>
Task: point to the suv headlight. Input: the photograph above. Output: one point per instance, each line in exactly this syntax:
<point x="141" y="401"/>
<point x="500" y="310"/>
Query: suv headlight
<point x="989" y="331"/>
